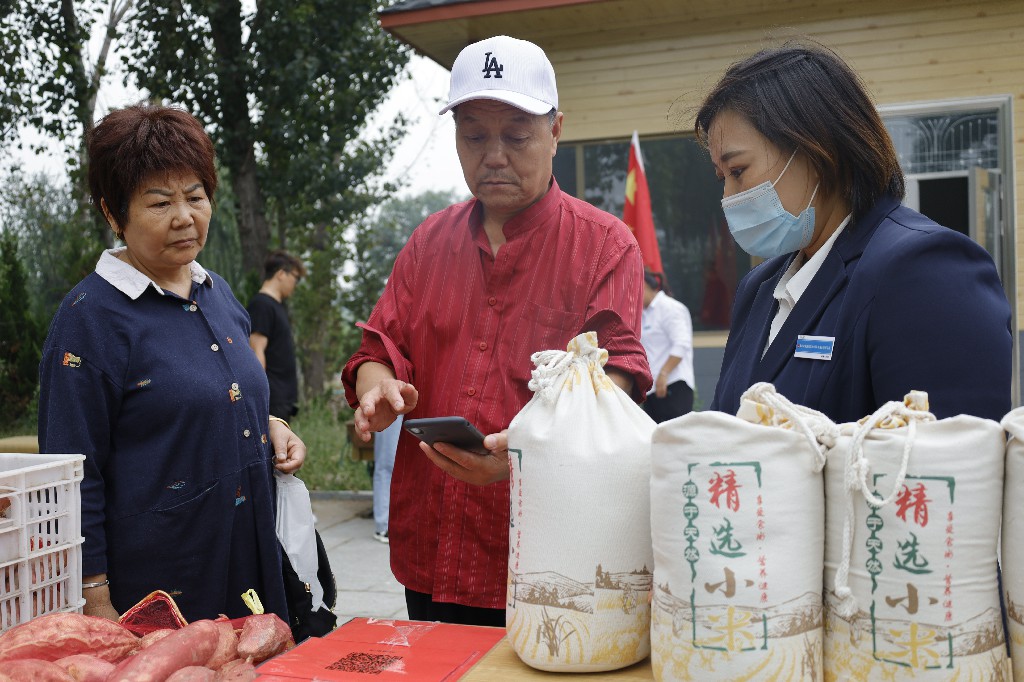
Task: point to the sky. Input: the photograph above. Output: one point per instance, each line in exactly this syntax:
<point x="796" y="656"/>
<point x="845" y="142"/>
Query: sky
<point x="424" y="160"/>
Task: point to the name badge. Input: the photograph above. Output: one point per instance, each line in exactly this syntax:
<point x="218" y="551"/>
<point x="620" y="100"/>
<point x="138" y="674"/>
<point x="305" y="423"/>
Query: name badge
<point x="814" y="347"/>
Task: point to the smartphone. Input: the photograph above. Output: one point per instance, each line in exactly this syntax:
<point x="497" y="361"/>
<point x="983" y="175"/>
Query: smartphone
<point x="457" y="431"/>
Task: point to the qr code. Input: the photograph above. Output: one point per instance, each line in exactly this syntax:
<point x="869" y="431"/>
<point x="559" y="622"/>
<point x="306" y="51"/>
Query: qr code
<point x="369" y="664"/>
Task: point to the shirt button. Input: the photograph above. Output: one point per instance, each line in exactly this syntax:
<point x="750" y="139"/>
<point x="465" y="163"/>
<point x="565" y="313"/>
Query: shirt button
<point x="471" y="391"/>
<point x="483" y="345"/>
<point x="215" y="348"/>
<point x="234" y="386"/>
<point x="492" y="301"/>
<point x="246" y="433"/>
<point x="193" y="308"/>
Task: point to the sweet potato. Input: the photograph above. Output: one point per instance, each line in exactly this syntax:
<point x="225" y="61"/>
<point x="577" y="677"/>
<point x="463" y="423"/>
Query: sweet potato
<point x="193" y="673"/>
<point x="264" y="636"/>
<point x="57" y="635"/>
<point x="236" y="671"/>
<point x="193" y="645"/>
<point x="153" y="637"/>
<point x="35" y="670"/>
<point x="227" y="645"/>
<point x="86" y="668"/>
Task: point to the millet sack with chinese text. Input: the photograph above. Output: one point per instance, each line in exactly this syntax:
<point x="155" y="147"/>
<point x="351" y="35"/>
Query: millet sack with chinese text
<point x="736" y="520"/>
<point x="579" y="572"/>
<point x="911" y="523"/>
<point x="1013" y="539"/>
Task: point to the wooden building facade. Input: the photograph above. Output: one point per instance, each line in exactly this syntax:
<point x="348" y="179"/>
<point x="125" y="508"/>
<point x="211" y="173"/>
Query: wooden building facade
<point x="946" y="75"/>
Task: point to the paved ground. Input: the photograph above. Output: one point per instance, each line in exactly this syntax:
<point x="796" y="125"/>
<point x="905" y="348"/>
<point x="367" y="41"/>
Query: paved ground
<point x="361" y="564"/>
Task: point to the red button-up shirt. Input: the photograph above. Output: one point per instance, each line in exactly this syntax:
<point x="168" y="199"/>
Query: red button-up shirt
<point x="460" y="325"/>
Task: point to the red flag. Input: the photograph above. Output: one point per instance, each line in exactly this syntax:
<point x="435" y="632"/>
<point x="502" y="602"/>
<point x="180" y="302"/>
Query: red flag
<point x="637" y="211"/>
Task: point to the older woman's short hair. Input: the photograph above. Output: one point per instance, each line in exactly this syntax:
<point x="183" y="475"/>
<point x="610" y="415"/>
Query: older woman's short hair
<point x="128" y="145"/>
<point x="804" y="96"/>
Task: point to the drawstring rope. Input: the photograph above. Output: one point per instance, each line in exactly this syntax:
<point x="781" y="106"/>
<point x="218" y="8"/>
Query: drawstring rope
<point x="582" y="352"/>
<point x="819" y="430"/>
<point x="856" y="478"/>
<point x="551" y="364"/>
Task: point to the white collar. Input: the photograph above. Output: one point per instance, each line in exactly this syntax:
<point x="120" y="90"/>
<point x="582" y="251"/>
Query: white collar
<point x="129" y="281"/>
<point x="798" y="277"/>
<point x="657" y="297"/>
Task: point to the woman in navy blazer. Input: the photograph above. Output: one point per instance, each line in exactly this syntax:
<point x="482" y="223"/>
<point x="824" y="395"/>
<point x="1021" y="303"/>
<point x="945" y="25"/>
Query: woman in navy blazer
<point x="860" y="299"/>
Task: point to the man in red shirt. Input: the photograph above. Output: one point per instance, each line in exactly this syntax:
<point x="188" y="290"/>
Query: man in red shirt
<point x="480" y="286"/>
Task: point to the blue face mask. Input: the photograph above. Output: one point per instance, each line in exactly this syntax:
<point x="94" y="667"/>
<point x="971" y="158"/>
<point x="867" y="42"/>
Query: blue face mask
<point x="761" y="226"/>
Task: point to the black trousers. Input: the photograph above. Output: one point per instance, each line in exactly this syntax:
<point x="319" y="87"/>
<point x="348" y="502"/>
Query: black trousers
<point x="422" y="607"/>
<point x="677" y="401"/>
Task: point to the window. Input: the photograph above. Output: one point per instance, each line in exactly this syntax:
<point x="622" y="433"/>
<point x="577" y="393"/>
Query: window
<point x="701" y="260"/>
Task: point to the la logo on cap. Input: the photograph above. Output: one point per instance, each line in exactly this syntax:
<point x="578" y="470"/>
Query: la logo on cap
<point x="528" y="83"/>
<point x="491" y="66"/>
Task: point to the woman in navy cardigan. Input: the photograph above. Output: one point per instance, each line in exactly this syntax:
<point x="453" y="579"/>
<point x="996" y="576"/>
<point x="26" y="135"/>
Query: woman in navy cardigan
<point x="147" y="371"/>
<point x="859" y="299"/>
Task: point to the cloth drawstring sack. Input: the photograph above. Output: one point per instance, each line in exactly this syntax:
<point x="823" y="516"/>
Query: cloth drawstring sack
<point x="911" y="524"/>
<point x="1012" y="546"/>
<point x="736" y="518"/>
<point x="580" y="559"/>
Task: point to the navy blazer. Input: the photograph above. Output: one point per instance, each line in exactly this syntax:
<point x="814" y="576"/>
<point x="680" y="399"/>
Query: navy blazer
<point x="912" y="305"/>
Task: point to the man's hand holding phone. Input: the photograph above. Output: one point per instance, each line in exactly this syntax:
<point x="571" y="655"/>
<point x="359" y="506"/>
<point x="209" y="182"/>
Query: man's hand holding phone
<point x="467" y="460"/>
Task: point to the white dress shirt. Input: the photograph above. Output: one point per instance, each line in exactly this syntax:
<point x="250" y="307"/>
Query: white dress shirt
<point x="796" y="280"/>
<point x="666" y="330"/>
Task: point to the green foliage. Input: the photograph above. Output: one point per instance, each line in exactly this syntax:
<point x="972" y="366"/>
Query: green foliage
<point x="374" y="243"/>
<point x="43" y="81"/>
<point x="57" y="246"/>
<point x="46" y="82"/>
<point x="329" y="464"/>
<point x="285" y="92"/>
<point x="222" y="252"/>
<point x="20" y="334"/>
<point x="25" y="425"/>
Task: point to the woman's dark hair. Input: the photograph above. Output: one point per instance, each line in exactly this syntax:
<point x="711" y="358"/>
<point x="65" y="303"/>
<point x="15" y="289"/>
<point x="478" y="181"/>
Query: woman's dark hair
<point x="128" y="145"/>
<point x="804" y="96"/>
<point x="652" y="280"/>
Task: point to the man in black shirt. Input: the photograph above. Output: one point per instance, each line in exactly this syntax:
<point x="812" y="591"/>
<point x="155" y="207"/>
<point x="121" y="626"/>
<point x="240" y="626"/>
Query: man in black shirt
<point x="271" y="336"/>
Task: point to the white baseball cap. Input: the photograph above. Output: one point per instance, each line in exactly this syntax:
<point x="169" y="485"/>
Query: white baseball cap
<point x="505" y="69"/>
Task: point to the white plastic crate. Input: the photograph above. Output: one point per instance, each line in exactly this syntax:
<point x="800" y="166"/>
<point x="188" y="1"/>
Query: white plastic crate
<point x="40" y="536"/>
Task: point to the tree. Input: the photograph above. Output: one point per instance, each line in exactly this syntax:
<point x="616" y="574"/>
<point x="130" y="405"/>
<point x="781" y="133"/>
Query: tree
<point x="285" y="91"/>
<point x="48" y="82"/>
<point x="373" y="245"/>
<point x="376" y="241"/>
<point x="20" y="336"/>
<point x="57" y="245"/>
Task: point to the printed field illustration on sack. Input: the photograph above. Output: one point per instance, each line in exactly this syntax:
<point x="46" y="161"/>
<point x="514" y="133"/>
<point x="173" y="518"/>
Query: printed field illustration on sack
<point x="736" y="509"/>
<point x="912" y="517"/>
<point x="580" y="557"/>
<point x="1012" y="546"/>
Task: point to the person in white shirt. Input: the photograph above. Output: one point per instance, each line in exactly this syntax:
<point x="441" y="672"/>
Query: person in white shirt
<point x="667" y="335"/>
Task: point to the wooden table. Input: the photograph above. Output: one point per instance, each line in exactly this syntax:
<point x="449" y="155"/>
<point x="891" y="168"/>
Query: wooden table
<point x="502" y="663"/>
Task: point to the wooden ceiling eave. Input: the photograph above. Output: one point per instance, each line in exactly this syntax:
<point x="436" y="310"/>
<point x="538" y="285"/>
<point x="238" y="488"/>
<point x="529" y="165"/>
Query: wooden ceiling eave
<point x="441" y="32"/>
